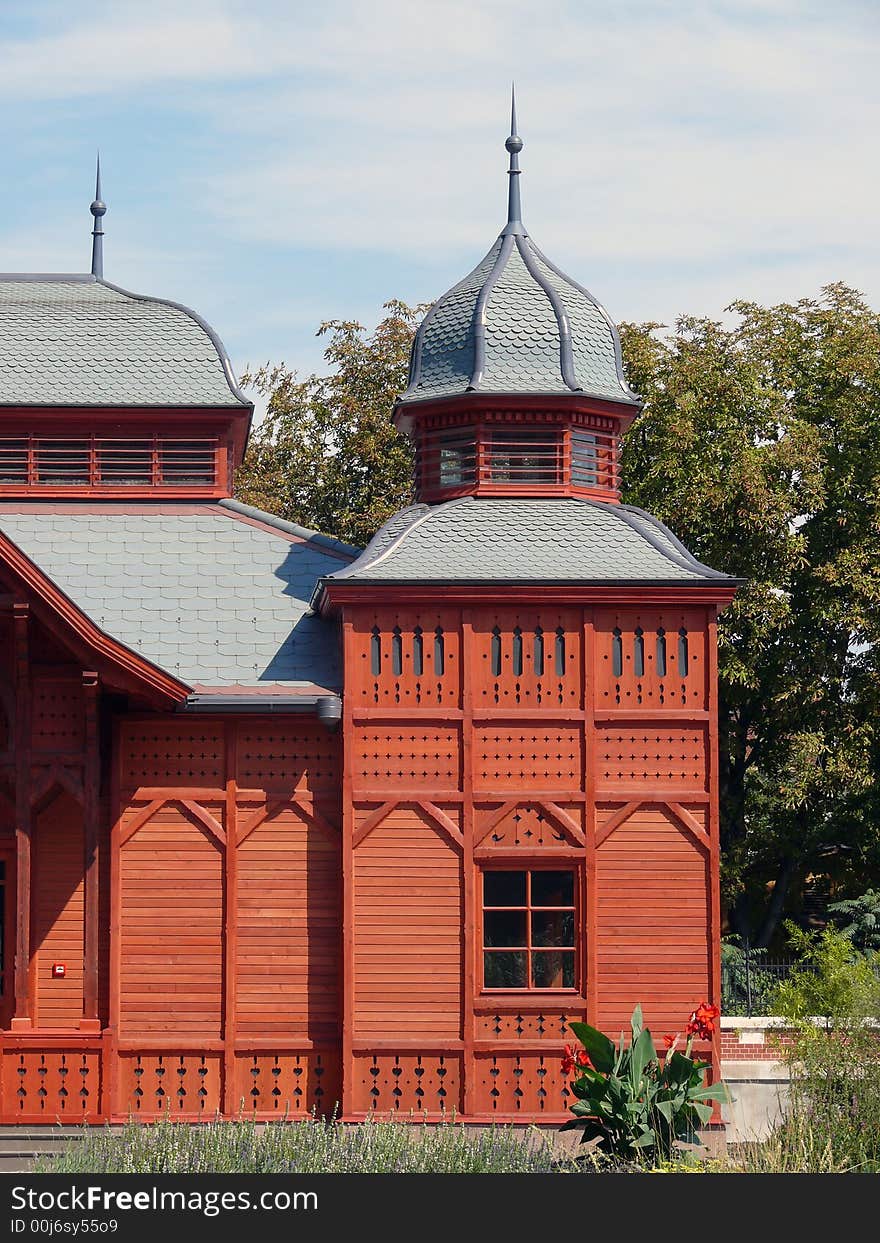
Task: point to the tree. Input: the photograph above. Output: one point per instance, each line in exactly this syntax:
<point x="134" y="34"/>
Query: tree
<point x="760" y="447"/>
<point x="327" y="454"/>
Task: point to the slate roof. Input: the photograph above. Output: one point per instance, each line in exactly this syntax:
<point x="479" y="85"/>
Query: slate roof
<point x="502" y="540"/>
<point x="75" y="340"/>
<point x="516" y="324"/>
<point x="200" y="590"/>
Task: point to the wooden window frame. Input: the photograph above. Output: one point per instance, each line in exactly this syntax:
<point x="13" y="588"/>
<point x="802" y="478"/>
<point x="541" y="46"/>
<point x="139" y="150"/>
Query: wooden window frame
<point x="575" y="867"/>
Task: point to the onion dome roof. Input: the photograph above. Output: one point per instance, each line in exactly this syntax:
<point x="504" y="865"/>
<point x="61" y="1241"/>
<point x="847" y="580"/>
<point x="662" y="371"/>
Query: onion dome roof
<point x="517" y="324"/>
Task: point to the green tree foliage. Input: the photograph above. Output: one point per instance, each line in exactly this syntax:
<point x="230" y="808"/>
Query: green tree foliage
<point x="858" y="919"/>
<point x="327" y="454"/>
<point x="760" y="447"/>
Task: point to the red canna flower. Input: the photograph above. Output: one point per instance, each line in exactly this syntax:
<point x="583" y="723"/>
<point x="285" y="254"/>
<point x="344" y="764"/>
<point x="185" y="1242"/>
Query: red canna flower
<point x="568" y="1062"/>
<point x="702" y="1021"/>
<point x="669" y="1041"/>
<point x="583" y="1058"/>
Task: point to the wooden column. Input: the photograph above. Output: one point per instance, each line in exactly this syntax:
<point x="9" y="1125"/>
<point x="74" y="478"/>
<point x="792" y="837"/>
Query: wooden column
<point x="23" y="1018"/>
<point x="230" y="956"/>
<point x="347" y="873"/>
<point x="90" y="1021"/>
<point x="589" y="894"/>
<point x="713" y="787"/>
<point x="471" y="950"/>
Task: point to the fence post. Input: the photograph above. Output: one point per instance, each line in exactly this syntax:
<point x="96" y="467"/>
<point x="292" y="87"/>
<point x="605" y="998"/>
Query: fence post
<point x="748" y="978"/>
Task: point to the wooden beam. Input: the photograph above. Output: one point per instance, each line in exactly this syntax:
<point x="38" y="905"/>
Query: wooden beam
<point x="614" y="821"/>
<point x="374" y="818"/>
<point x="440" y="818"/>
<point x="91" y="850"/>
<point x="23" y="1017"/>
<point x="572" y="831"/>
<point x="693" y="826"/>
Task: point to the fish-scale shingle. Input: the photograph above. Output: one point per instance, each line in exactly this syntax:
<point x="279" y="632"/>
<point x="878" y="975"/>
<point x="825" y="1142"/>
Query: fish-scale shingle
<point x="212" y="599"/>
<point x="80" y="341"/>
<point x="495" y="540"/>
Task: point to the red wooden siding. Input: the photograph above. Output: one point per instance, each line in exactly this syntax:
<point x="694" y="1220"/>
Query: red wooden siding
<point x="171" y="933"/>
<point x="408" y="931"/>
<point x="288" y="929"/>
<point x="652" y="921"/>
<point x="58" y="912"/>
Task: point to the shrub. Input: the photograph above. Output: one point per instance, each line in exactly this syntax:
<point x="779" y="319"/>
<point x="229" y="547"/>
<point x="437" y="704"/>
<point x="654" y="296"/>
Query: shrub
<point x="631" y="1100"/>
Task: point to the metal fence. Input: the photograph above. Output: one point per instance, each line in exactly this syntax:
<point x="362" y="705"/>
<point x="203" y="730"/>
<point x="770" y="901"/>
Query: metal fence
<point x="749" y="980"/>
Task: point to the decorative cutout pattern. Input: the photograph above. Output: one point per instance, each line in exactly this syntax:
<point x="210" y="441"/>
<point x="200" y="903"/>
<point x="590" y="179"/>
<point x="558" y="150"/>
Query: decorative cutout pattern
<point x="508" y="1028"/>
<point x="536" y="757"/>
<point x="521" y="1083"/>
<point x="387" y="1084"/>
<point x="289" y="1085"/>
<point x="175" y="1084"/>
<point x="651" y="658"/>
<point x="527" y="658"/>
<point x="404" y="758"/>
<point x="169" y="755"/>
<point x="300" y="756"/>
<point x="661" y="756"/>
<point x="57" y="715"/>
<point x="406" y="659"/>
<point x="49" y="1086"/>
<point x="527" y="826"/>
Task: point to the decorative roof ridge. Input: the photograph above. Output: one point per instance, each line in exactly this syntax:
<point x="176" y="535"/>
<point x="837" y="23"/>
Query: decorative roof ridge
<point x="290" y="528"/>
<point x="566" y="356"/>
<point x="673" y="538"/>
<point x="630" y="394"/>
<point x="429" y="512"/>
<point x="683" y="559"/>
<point x="202" y="323"/>
<point x="479" y="316"/>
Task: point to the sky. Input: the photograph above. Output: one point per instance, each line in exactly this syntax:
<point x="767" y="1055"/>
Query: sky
<point x="273" y="165"/>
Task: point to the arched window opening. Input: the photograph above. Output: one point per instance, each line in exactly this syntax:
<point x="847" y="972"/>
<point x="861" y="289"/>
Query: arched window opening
<point x="375" y="652"/>
<point x="538" y="653"/>
<point x="559" y="647"/>
<point x="682" y="653"/>
<point x="439" y="652"/>
<point x="617" y="652"/>
<point x="661" y="652"/>
<point x="496" y="652"/>
<point x="396" y="652"/>
<point x="639" y="653"/>
<point x="418" y="652"/>
<point x="517" y="660"/>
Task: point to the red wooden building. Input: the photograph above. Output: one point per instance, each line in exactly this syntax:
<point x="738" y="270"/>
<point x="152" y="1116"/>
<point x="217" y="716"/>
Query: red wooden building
<point x="284" y="824"/>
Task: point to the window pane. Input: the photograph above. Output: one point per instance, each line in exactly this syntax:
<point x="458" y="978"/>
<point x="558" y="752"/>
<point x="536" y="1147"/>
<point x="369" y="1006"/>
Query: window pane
<point x="552" y="888"/>
<point x="551" y="928"/>
<point x="505" y="970"/>
<point x="504" y="888"/>
<point x="506" y="928"/>
<point x="552" y="969"/>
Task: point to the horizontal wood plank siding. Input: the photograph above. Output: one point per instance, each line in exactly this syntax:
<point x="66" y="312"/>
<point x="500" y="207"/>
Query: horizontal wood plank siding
<point x="408" y="931"/>
<point x="288" y="929"/>
<point x="652" y="921"/>
<point x="171" y="875"/>
<point x="58" y="912"/>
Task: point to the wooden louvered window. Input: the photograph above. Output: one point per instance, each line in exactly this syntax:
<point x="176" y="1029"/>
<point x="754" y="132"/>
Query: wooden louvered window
<point x="529" y="929"/>
<point x="108" y="463"/>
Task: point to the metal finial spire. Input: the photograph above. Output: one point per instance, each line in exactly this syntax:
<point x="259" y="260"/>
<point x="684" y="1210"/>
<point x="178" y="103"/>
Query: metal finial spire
<point x="98" y="209"/>
<point x="514" y="145"/>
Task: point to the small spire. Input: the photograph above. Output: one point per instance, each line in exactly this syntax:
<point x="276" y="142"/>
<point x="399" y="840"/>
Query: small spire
<point x="514" y="145"/>
<point x="98" y="209"/>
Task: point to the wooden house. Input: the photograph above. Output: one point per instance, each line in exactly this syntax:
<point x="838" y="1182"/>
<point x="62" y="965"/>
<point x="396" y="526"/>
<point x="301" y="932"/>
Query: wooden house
<point x="287" y="826"/>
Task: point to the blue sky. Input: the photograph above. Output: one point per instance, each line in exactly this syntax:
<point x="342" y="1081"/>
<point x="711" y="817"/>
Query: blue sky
<point x="276" y="164"/>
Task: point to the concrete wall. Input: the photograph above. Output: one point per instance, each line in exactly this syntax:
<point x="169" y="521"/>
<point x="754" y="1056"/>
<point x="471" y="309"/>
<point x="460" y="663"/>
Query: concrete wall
<point x="757" y="1078"/>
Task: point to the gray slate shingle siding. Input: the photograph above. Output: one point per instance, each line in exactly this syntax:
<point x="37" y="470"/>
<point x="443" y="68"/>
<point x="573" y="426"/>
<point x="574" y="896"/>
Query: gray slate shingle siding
<point x="207" y="597"/>
<point x="522" y="335"/>
<point x="494" y="540"/>
<point x="85" y="343"/>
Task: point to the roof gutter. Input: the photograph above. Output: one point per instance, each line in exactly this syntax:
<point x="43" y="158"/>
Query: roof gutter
<point x="327" y="708"/>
